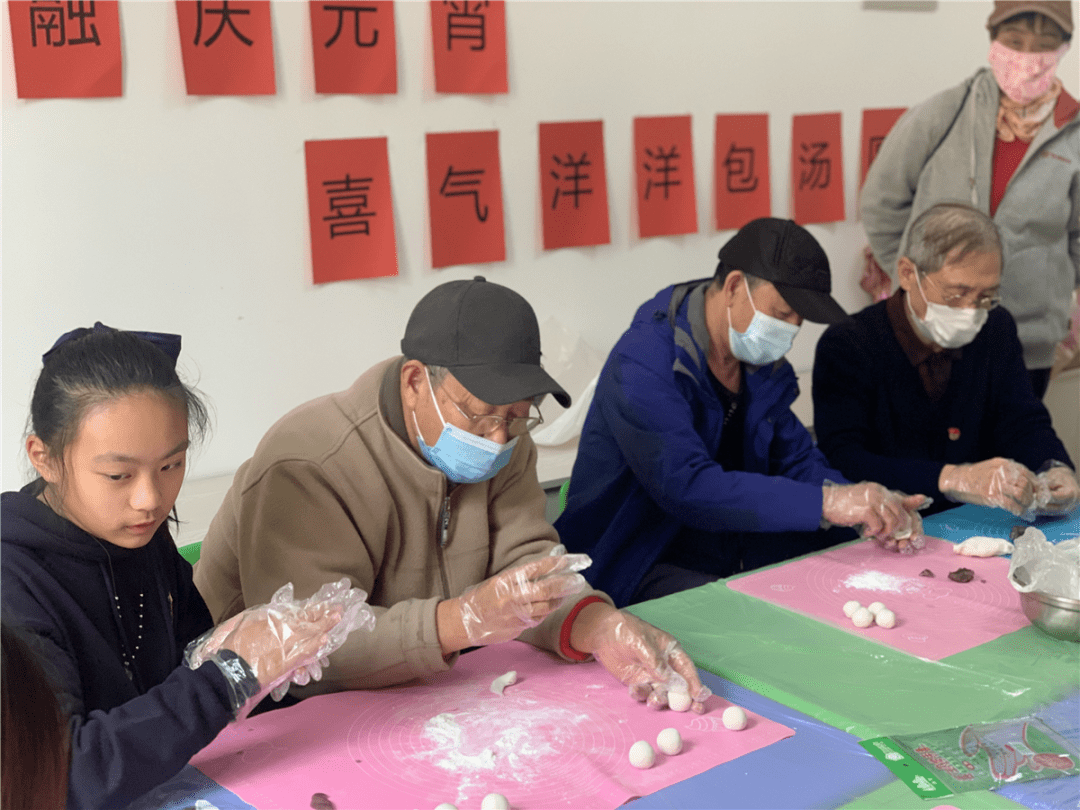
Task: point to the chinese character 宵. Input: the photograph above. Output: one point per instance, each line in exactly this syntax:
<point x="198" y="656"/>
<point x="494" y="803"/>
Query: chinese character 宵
<point x="466" y="24"/>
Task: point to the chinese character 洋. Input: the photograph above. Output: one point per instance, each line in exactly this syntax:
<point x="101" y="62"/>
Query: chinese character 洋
<point x="463" y="23"/>
<point x="356" y="11"/>
<point x="663" y="168"/>
<point x="740" y="169"/>
<point x="348" y="201"/>
<point x="575" y="177"/>
<point x="226" y="19"/>
<point x="464" y="183"/>
<point x="50" y="19"/>
<point x="818" y="171"/>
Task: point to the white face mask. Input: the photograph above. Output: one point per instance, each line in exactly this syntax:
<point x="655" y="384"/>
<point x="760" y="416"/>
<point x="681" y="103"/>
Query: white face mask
<point x="948" y="327"/>
<point x="765" y="340"/>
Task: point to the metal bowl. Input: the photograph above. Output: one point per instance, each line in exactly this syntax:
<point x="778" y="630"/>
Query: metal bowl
<point x="1055" y="615"/>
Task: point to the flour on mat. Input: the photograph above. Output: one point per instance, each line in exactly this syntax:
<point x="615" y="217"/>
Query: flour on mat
<point x="880" y="581"/>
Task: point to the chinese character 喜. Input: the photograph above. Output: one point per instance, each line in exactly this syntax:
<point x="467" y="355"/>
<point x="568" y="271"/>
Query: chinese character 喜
<point x="576" y="177"/>
<point x="226" y="19"/>
<point x="740" y="169"/>
<point x="50" y="18"/>
<point x="663" y="169"/>
<point x="464" y="187"/>
<point x="348" y="199"/>
<point x="461" y="23"/>
<point x="818" y="173"/>
<point x="356" y="12"/>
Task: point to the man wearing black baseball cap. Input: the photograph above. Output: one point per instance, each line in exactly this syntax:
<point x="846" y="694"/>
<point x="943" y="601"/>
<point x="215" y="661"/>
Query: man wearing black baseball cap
<point x="691" y="465"/>
<point x="419" y="484"/>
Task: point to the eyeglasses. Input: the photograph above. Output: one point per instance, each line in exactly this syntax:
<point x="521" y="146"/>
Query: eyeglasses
<point x="959" y="300"/>
<point x="489" y="423"/>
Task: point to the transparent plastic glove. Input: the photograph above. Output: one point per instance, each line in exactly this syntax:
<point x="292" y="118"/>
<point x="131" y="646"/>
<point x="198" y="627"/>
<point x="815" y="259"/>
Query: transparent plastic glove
<point x="1058" y="491"/>
<point x="877" y="511"/>
<point x="276" y="640"/>
<point x="647" y="660"/>
<point x="996" y="482"/>
<point x="909" y="538"/>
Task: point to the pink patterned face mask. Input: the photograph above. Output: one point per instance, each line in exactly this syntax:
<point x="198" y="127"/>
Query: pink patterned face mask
<point x="1024" y="77"/>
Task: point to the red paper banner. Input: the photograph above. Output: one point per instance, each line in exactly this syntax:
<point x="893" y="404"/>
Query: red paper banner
<point x="468" y="39"/>
<point x="227" y="46"/>
<point x="573" y="184"/>
<point x="664" y="165"/>
<point x="741" y="161"/>
<point x="817" y="169"/>
<point x="66" y="49"/>
<point x="350" y="208"/>
<point x="875" y="126"/>
<point x="465" y="198"/>
<point x="354" y="46"/>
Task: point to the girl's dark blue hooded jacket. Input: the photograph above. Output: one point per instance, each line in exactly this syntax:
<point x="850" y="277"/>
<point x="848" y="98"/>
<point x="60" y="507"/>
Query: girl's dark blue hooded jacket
<point x="128" y="733"/>
<point x="646" y="467"/>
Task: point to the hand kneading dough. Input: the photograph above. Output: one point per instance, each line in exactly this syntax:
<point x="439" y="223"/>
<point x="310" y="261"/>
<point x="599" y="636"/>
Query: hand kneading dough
<point x="678" y="701"/>
<point x="494" y="801"/>
<point x="734" y="718"/>
<point x="642" y="755"/>
<point x="862" y="618"/>
<point x="851" y="607"/>
<point x="669" y="741"/>
<point x="885" y="618"/>
<point x="983" y="547"/>
<point x="875" y="607"/>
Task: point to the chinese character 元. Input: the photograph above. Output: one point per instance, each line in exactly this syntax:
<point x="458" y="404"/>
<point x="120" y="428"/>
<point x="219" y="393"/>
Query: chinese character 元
<point x="740" y="169"/>
<point x="356" y="12"/>
<point x="461" y="23"/>
<point x="348" y="201"/>
<point x="576" y="177"/>
<point x="818" y="171"/>
<point x="50" y="18"/>
<point x="226" y="19"/>
<point x="463" y="183"/>
<point x="664" y="168"/>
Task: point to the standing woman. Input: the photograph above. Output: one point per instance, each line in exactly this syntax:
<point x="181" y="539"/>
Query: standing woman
<point x="90" y="569"/>
<point x="1006" y="141"/>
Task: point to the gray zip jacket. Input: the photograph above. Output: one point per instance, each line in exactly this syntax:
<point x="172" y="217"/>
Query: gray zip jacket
<point x="942" y="151"/>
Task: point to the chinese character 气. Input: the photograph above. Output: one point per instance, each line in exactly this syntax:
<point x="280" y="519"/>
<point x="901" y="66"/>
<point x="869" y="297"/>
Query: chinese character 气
<point x="226" y="19"/>
<point x="740" y="169"/>
<point x="356" y="11"/>
<point x="348" y="201"/>
<point x="818" y="171"/>
<point x="463" y="183"/>
<point x="50" y="18"/>
<point x="575" y="177"/>
<point x="463" y="23"/>
<point x="663" y="168"/>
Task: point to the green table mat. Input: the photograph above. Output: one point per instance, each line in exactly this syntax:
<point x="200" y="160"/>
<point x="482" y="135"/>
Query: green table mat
<point x="897" y="796"/>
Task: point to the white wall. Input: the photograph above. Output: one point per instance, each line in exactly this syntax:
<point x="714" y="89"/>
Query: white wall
<point x="159" y="211"/>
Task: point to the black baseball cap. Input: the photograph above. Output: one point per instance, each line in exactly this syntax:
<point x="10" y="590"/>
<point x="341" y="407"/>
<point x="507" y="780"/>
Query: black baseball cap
<point x="785" y="254"/>
<point x="487" y="336"/>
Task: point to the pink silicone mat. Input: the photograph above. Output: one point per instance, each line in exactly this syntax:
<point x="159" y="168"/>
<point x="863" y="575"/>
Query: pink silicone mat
<point x="559" y="737"/>
<point x="935" y="617"/>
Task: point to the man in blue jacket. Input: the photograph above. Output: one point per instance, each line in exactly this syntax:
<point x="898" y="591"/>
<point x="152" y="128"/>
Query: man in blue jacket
<point x="691" y="465"/>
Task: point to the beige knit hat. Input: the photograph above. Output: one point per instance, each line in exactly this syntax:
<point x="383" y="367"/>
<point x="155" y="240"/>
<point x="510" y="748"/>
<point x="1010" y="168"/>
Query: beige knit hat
<point x="1060" y="11"/>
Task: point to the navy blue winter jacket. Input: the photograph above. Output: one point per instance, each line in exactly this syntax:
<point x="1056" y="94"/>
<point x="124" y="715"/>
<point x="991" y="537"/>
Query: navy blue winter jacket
<point x="646" y="467"/>
<point x="128" y="734"/>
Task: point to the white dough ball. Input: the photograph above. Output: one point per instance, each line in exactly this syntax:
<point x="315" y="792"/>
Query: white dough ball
<point x="678" y="701"/>
<point x="876" y="607"/>
<point x="669" y="741"/>
<point x="642" y="755"/>
<point x="886" y="618"/>
<point x="862" y="618"/>
<point x="734" y="718"/>
<point x="851" y="607"/>
<point x="446" y="806"/>
<point x="494" y="801"/>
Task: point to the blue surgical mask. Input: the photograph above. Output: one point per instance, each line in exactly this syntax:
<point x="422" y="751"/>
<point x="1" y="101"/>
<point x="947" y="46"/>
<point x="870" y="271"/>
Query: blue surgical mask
<point x="463" y="457"/>
<point x="765" y="340"/>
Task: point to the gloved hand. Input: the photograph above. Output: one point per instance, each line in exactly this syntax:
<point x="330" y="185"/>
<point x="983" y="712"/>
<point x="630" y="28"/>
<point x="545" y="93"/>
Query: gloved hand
<point x="1061" y="488"/>
<point x="879" y="512"/>
<point x="907" y="540"/>
<point x="282" y="638"/>
<point x="995" y="482"/>
<point x="501" y="607"/>
<point x="647" y="660"/>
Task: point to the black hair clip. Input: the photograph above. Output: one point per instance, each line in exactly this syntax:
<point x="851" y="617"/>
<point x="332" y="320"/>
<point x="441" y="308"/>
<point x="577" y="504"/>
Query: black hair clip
<point x="170" y="344"/>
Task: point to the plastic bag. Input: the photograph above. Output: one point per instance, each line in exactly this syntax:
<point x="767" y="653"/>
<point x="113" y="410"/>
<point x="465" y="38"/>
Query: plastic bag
<point x="1039" y="565"/>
